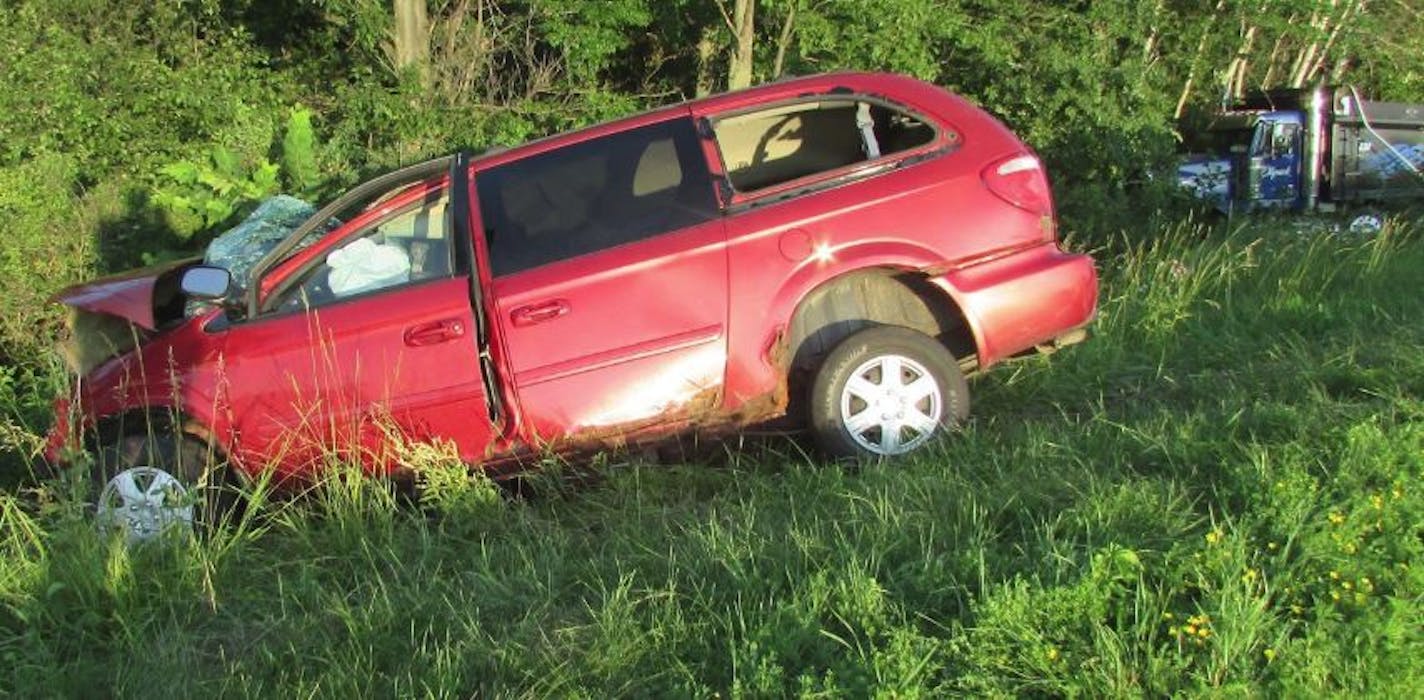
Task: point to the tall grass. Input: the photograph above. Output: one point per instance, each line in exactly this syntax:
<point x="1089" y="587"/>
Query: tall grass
<point x="1220" y="492"/>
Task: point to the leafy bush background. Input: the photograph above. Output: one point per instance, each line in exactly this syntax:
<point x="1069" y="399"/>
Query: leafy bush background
<point x="131" y="131"/>
<point x="1220" y="492"/>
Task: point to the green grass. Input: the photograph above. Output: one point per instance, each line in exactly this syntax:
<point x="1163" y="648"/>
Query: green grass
<point x="1220" y="492"/>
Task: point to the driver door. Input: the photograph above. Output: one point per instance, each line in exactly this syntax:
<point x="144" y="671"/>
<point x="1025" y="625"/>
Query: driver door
<point x="365" y="339"/>
<point x="1276" y="165"/>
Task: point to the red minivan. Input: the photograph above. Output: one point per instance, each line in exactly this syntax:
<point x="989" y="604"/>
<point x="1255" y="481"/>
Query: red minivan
<point x="834" y="251"/>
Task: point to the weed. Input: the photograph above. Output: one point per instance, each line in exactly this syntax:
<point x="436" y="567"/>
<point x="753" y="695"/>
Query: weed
<point x="1217" y="494"/>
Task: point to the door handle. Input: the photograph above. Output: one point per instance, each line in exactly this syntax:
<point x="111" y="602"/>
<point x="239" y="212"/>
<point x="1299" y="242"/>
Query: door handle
<point x="537" y="313"/>
<point x="434" y="332"/>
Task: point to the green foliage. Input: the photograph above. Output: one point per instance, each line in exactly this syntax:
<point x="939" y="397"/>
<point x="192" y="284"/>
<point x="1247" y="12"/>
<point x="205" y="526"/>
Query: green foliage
<point x="849" y="34"/>
<point x="1233" y="508"/>
<point x="121" y="88"/>
<point x="207" y="193"/>
<point x="299" y="153"/>
<point x="46" y="244"/>
<point x="1229" y="508"/>
<point x="590" y="35"/>
<point x="199" y="195"/>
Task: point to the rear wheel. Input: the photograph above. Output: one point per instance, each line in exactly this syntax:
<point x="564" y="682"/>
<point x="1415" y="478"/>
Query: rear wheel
<point x="884" y="392"/>
<point x="156" y="484"/>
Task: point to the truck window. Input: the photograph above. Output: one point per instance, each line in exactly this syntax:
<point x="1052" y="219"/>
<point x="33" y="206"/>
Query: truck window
<point x="594" y="195"/>
<point x="1284" y="138"/>
<point x="772" y="146"/>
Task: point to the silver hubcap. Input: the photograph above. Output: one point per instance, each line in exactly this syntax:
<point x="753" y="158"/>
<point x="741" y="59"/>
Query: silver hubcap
<point x="144" y="503"/>
<point x="891" y="405"/>
<point x="1366" y="224"/>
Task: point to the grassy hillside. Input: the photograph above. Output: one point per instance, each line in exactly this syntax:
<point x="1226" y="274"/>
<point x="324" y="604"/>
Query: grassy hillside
<point x="1220" y="490"/>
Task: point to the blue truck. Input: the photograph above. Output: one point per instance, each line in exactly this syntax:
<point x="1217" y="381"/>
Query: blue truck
<point x="1315" y="149"/>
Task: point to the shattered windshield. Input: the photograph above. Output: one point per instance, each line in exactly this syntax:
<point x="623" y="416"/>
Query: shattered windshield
<point x="240" y="248"/>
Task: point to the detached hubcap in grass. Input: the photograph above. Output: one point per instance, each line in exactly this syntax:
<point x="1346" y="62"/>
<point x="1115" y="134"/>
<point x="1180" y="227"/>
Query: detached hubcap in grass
<point x="144" y="503"/>
<point x="890" y="405"/>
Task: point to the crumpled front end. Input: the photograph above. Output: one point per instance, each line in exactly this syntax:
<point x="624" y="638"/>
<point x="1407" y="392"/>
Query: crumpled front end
<point x="111" y="316"/>
<point x="91" y="338"/>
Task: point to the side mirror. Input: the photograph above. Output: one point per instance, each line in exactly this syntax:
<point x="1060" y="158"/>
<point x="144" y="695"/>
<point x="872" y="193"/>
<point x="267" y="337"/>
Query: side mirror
<point x="206" y="283"/>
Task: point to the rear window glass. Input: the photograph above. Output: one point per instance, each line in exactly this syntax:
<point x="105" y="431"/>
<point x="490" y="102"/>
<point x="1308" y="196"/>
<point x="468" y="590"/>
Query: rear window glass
<point x="772" y="146"/>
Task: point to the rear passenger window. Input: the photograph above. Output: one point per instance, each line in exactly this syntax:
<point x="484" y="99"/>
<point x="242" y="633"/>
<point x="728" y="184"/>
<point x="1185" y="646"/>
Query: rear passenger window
<point x="772" y="146"/>
<point x="594" y="195"/>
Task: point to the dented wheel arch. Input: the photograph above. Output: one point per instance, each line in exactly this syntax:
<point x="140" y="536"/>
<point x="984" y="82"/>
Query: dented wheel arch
<point x="154" y="421"/>
<point x="877" y="296"/>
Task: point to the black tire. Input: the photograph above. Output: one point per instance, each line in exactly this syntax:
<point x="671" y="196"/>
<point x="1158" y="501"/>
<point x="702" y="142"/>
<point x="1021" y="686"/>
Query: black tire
<point x="202" y="475"/>
<point x="915" y="411"/>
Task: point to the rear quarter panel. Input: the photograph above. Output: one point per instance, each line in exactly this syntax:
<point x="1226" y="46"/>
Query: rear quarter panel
<point x="932" y="214"/>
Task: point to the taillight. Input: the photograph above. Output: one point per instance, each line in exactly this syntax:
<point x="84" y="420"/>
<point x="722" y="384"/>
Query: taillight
<point x="1020" y="181"/>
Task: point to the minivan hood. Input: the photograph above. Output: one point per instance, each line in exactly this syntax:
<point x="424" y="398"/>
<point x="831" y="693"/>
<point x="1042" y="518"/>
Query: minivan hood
<point x="127" y="295"/>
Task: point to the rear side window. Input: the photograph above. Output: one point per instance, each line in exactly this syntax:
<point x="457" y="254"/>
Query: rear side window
<point x="594" y="195"/>
<point x="780" y="144"/>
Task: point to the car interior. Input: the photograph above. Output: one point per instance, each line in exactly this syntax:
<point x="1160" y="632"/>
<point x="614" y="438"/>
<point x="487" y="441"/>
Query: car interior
<point x="772" y="146"/>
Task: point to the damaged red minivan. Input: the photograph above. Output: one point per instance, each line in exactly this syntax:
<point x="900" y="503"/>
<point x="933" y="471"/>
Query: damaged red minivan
<point x="834" y="252"/>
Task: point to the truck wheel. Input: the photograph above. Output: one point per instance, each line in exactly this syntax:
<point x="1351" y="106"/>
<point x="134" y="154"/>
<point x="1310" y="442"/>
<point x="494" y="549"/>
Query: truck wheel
<point x="885" y="391"/>
<point x="1366" y="224"/>
<point x="157" y="484"/>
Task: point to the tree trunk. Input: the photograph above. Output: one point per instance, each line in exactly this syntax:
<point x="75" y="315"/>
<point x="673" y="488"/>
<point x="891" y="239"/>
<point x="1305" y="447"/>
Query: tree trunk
<point x="1318" y="67"/>
<point x="1197" y="59"/>
<point x="1236" y="73"/>
<point x="706" y="50"/>
<point x="1306" y="58"/>
<point x="739" y="63"/>
<point x="1154" y="35"/>
<point x="784" y="41"/>
<point x="412" y="36"/>
<point x="1273" y="61"/>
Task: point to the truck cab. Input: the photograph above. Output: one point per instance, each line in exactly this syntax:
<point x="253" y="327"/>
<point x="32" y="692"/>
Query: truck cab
<point x="1248" y="160"/>
<point x="1311" y="149"/>
<point x="1272" y="176"/>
